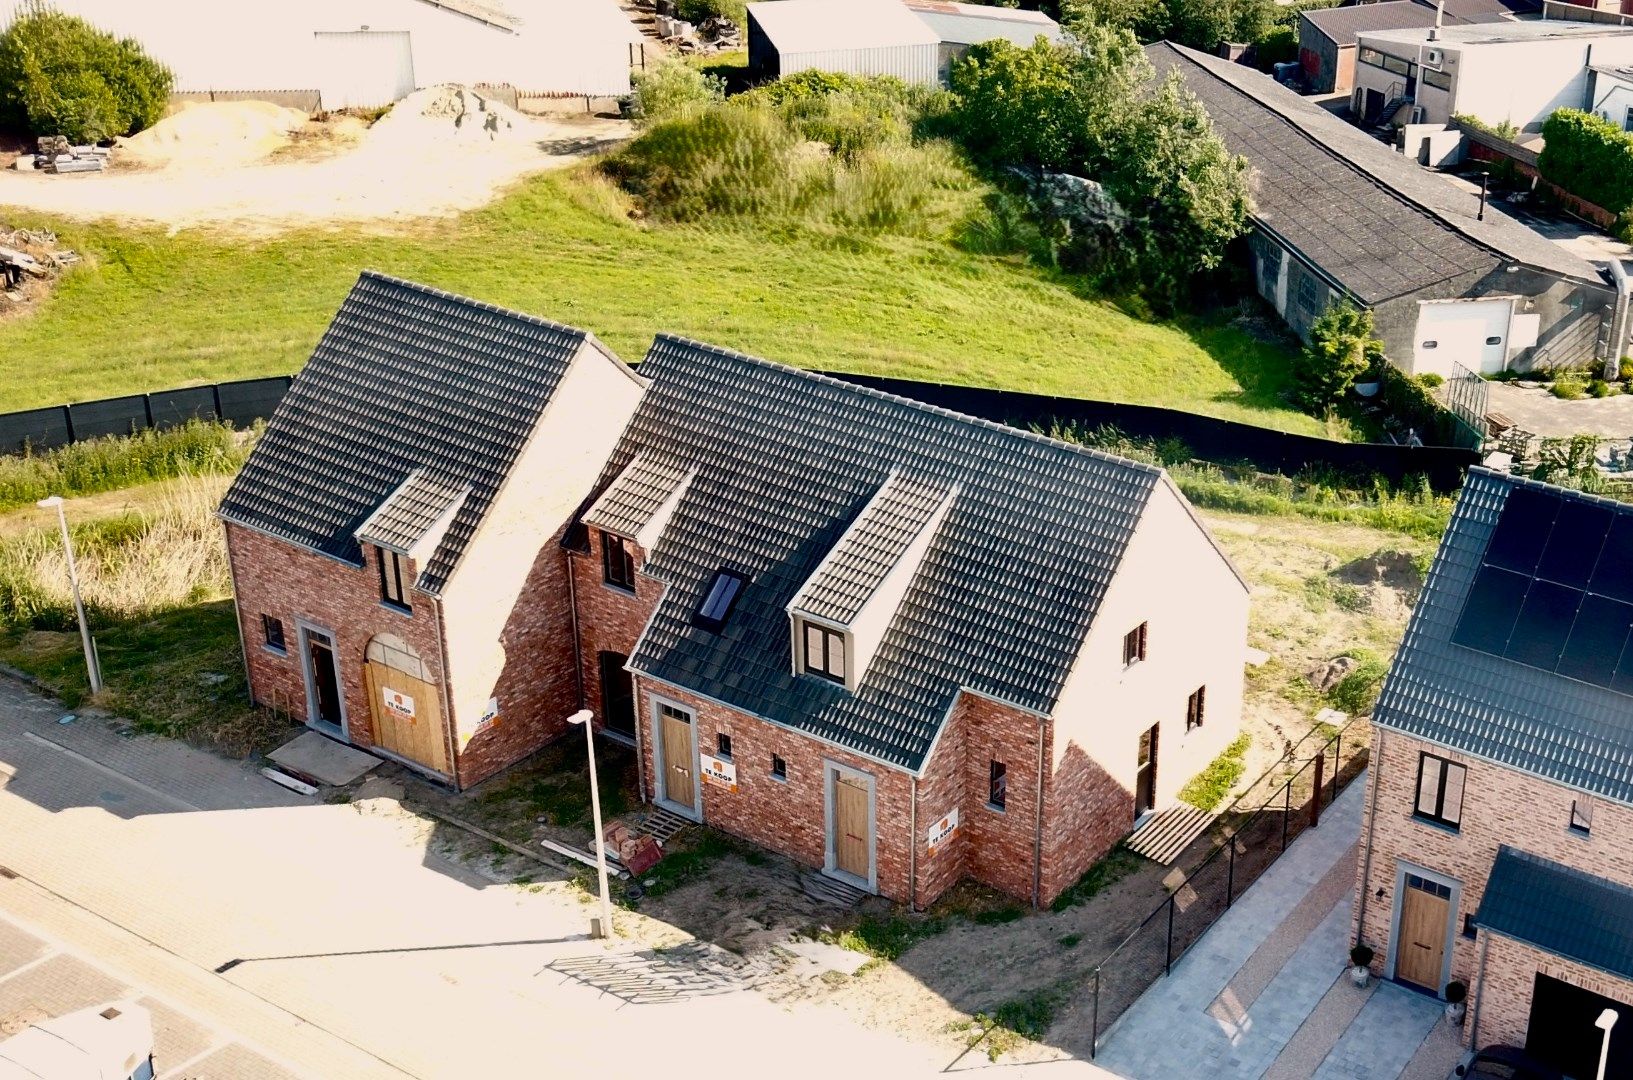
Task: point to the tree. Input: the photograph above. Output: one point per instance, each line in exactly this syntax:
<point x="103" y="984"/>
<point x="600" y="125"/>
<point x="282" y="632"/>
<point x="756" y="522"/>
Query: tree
<point x="672" y="89"/>
<point x="59" y="75"/>
<point x="1342" y="348"/>
<point x="1205" y="24"/>
<point x="1019" y="106"/>
<point x="1147" y="20"/>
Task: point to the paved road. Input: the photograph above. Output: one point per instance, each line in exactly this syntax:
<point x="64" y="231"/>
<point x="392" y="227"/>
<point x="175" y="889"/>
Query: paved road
<point x="345" y="948"/>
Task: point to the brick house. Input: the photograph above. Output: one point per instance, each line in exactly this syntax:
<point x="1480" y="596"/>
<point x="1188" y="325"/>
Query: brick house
<point x="1497" y="841"/>
<point x="895" y="643"/>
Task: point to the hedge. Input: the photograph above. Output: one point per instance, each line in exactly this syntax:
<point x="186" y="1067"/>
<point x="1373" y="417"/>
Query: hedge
<point x="1590" y="157"/>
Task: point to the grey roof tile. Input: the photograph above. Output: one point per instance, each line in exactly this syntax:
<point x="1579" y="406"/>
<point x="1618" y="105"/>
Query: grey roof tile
<point x="634" y="497"/>
<point x="786" y="460"/>
<point x="405" y="379"/>
<point x="409" y="512"/>
<point x="1559" y="909"/>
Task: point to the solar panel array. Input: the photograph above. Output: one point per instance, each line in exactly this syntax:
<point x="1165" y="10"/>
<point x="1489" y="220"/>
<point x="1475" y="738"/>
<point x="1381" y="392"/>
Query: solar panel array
<point x="1555" y="590"/>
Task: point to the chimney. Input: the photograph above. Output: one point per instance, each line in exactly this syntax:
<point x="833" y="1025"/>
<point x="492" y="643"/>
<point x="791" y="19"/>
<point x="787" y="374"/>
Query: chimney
<point x="1440" y="19"/>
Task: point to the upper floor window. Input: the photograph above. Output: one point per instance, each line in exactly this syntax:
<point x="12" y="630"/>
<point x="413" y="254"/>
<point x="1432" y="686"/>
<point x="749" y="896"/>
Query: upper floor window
<point x="718" y="601"/>
<point x="824" y="652"/>
<point x="997" y="785"/>
<point x="273" y="631"/>
<point x="1134" y="645"/>
<point x="722" y="745"/>
<point x="1194" y="706"/>
<point x="617" y="563"/>
<point x="1440" y="790"/>
<point x="779" y="768"/>
<point x="1582" y="815"/>
<point x="391" y="577"/>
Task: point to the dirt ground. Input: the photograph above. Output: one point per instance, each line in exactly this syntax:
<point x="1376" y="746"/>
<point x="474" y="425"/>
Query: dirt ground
<point x="438" y="152"/>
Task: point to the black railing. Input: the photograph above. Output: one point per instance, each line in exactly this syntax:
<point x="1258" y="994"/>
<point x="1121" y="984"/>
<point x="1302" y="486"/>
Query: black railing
<point x="1253" y="832"/>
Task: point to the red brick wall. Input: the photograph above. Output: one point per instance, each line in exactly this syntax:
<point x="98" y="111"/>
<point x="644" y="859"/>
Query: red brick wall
<point x="608" y="617"/>
<point x="943" y="787"/>
<point x="1001" y="843"/>
<point x="292" y="584"/>
<point x="1086" y="812"/>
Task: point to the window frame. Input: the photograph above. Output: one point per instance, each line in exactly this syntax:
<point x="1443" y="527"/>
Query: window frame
<point x="1196" y="708"/>
<point x="823" y="667"/>
<point x="281" y="646"/>
<point x="714" y="624"/>
<point x="1578" y="805"/>
<point x="722" y="745"/>
<point x="1134" y="645"/>
<point x="622" y="575"/>
<point x="393" y="593"/>
<point x="1438" y="815"/>
<point x="1627" y="121"/>
<point x="779" y="768"/>
<point x="997" y="785"/>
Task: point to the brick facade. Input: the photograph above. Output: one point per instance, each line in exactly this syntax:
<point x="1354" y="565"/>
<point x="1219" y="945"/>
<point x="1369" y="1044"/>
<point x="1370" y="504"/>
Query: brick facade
<point x="1086" y="812"/>
<point x="1511" y="968"/>
<point x="609" y="618"/>
<point x="1500" y="806"/>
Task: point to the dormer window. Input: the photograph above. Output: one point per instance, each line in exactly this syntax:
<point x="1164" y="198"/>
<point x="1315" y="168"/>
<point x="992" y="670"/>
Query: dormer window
<point x="718" y="601"/>
<point x="391" y="578"/>
<point x="824" y="652"/>
<point x="618" y="565"/>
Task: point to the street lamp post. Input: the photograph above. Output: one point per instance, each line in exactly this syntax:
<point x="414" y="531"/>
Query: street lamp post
<point x="1606" y="1021"/>
<point x="604" y="927"/>
<point x="92" y="668"/>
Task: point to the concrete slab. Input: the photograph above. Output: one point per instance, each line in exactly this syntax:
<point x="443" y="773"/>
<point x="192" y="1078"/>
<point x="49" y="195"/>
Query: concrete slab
<point x="323" y="759"/>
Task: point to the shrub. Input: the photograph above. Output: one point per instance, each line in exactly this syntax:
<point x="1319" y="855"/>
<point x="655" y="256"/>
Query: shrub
<point x="1569" y="386"/>
<point x="697" y="11"/>
<point x="1341" y="349"/>
<point x="1589" y="156"/>
<point x="1599" y="388"/>
<point x="1357" y="692"/>
<point x="59" y="75"/>
<point x="672" y="89"/>
<point x="1430" y="380"/>
<point x="1624" y="368"/>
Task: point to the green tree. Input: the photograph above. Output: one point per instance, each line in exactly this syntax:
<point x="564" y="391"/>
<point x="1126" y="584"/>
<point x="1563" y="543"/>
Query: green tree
<point x="1020" y="105"/>
<point x="1205" y="24"/>
<point x="59" y="75"/>
<point x="1147" y="20"/>
<point x="1342" y="348"/>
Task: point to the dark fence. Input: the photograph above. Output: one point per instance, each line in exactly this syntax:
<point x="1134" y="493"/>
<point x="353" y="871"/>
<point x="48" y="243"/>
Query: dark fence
<point x="1253" y="833"/>
<point x="238" y="403"/>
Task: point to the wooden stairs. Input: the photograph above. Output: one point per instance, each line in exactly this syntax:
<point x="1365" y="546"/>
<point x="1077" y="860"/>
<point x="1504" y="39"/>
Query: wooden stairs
<point x="1161" y="837"/>
<point x="830" y="890"/>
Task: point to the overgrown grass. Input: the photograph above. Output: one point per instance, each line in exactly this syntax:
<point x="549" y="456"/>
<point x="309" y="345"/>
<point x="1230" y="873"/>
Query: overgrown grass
<point x="887" y="937"/>
<point x="1357" y="692"/>
<point x="150" y="311"/>
<point x="1208" y="788"/>
<point x="115" y="462"/>
<point x="1024" y="1018"/>
<point x="1113" y="867"/>
<point x="691" y="860"/>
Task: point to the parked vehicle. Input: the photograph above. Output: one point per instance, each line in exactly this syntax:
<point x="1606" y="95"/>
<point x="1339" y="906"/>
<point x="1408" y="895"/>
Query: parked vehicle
<point x="1506" y="1063"/>
<point x="104" y="1042"/>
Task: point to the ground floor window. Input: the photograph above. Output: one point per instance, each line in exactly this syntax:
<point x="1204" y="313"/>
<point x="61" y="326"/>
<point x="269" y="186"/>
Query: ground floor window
<point x="272" y="630"/>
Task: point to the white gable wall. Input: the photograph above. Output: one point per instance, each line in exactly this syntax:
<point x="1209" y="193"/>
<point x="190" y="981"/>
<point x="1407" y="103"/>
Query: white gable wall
<point x="1524" y="82"/>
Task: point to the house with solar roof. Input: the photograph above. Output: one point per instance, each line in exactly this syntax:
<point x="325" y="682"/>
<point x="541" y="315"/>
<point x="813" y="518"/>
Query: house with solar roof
<point x="1497" y="843"/>
<point x="900" y="645"/>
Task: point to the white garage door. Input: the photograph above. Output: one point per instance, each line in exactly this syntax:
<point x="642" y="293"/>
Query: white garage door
<point x="363" y="69"/>
<point x="1472" y="333"/>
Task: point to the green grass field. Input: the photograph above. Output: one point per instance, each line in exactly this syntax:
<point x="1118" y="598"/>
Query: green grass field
<point x="151" y="311"/>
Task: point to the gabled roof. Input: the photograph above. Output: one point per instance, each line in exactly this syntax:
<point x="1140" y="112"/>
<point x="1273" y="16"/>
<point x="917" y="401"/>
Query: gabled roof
<point x="1497" y="703"/>
<point x="786" y="460"/>
<point x="1560" y="910"/>
<point x="1368" y="218"/>
<point x="407" y="380"/>
<point x="806" y="26"/>
<point x="630" y="502"/>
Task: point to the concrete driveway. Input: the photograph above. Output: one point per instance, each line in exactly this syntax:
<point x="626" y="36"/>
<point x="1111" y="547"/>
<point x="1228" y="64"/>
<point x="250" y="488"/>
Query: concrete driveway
<point x="1264" y="992"/>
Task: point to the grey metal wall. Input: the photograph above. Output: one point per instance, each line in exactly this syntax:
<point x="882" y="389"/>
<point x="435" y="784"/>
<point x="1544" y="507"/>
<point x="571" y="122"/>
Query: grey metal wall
<point x="238" y="403"/>
<point x="910" y="63"/>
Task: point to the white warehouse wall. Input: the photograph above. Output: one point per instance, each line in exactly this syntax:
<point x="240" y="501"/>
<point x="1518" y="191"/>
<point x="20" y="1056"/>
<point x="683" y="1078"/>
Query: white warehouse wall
<point x="1524" y="82"/>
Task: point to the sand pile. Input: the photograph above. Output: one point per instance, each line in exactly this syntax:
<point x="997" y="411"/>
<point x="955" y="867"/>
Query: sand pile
<point x="214" y="132"/>
<point x="444" y="114"/>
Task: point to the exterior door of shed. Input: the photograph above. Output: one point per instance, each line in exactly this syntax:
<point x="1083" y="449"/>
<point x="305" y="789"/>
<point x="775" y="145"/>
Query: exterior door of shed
<point x="407" y="719"/>
<point x="363" y="69"/>
<point x="1469" y="333"/>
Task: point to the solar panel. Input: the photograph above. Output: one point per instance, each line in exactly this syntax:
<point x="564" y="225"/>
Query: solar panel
<point x="1613" y="576"/>
<point x="1544" y="623"/>
<point x="1597" y="640"/>
<point x="1491" y="610"/>
<point x="1622" y="681"/>
<point x="1523" y="529"/>
<point x="1573" y="547"/>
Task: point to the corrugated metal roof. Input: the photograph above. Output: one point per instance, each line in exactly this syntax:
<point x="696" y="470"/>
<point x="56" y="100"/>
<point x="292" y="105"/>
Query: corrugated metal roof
<point x="971" y="24"/>
<point x="786" y="460"/>
<point x="1489" y="706"/>
<point x="1560" y="910"/>
<point x="807" y="26"/>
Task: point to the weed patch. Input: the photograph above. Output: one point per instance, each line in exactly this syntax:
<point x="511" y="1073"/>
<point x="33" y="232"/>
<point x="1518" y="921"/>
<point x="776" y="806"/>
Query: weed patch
<point x="1208" y="788"/>
<point x="1116" y="865"/>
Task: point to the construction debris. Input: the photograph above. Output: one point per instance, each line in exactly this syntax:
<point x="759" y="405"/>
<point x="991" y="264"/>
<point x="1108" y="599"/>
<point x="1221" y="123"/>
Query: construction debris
<point x="55" y="154"/>
<point x="714" y="34"/>
<point x="29" y="261"/>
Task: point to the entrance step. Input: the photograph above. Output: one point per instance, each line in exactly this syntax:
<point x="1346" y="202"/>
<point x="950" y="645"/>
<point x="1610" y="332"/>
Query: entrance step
<point x="1163" y="836"/>
<point x="830" y="890"/>
<point x="661" y="825"/>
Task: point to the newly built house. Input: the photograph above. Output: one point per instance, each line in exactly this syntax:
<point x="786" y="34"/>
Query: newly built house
<point x="898" y="644"/>
<point x="1339" y="217"/>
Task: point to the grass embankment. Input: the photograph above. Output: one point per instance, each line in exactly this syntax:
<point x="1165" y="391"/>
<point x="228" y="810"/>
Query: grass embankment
<point x="150" y="311"/>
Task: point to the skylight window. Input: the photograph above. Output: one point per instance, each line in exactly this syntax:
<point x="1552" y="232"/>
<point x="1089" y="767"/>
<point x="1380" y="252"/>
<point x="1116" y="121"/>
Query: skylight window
<point x="718" y="600"/>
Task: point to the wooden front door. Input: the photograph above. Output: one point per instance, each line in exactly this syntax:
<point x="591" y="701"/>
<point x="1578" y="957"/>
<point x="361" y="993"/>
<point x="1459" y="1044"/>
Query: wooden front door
<point x="407" y="716"/>
<point x="1145" y="774"/>
<point x="675" y="734"/>
<point x="1420" y="949"/>
<point x="851" y="827"/>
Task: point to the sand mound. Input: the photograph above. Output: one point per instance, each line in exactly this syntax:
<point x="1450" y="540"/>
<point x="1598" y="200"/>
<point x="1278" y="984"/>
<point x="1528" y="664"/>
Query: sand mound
<point x="214" y="132"/>
<point x="443" y="114"/>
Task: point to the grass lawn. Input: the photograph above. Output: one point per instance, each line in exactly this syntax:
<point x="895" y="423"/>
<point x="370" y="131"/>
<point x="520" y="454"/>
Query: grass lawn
<point x="151" y="311"/>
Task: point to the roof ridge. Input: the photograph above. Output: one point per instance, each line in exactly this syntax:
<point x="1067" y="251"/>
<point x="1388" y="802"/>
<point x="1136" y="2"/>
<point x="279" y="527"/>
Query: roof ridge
<point x="481" y="305"/>
<point x="921" y="406"/>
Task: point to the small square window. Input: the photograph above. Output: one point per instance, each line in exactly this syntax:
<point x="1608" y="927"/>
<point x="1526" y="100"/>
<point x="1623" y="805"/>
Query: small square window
<point x="1194" y="708"/>
<point x="1582" y="815"/>
<point x="273" y="631"/>
<point x="997" y="785"/>
<point x="779" y="768"/>
<point x="1134" y="645"/>
<point x="722" y="745"/>
<point x="618" y="565"/>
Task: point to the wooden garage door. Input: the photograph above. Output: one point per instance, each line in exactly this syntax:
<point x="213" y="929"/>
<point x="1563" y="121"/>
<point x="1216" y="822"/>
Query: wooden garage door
<point x="363" y="69"/>
<point x="407" y="719"/>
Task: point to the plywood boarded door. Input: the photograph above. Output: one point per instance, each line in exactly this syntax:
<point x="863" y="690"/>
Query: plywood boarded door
<point x="407" y="719"/>
<point x="675" y="731"/>
<point x="1420" y="952"/>
<point x="851" y="827"/>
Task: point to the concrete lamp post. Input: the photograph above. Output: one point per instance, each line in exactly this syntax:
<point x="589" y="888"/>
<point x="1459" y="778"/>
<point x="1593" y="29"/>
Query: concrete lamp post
<point x="92" y="668"/>
<point x="602" y="927"/>
<point x="1606" y="1021"/>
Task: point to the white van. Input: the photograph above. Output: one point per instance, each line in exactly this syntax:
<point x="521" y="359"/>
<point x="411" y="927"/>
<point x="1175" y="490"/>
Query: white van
<point x="104" y="1042"/>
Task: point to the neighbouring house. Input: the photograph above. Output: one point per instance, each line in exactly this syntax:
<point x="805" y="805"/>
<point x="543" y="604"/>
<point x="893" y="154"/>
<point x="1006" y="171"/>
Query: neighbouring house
<point x="1610" y="94"/>
<point x="961" y="25"/>
<point x="1499" y="73"/>
<point x="392" y="536"/>
<point x="898" y="644"/>
<point x="1497" y="839"/>
<point x="855" y="37"/>
<point x="1339" y="216"/>
<point x="368" y="53"/>
<point x="1597" y="10"/>
<point x="1327" y="37"/>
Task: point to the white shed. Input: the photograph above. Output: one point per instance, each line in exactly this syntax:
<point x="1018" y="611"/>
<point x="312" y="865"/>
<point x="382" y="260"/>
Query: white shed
<point x="374" y="52"/>
<point x="961" y="25"/>
<point x="858" y="37"/>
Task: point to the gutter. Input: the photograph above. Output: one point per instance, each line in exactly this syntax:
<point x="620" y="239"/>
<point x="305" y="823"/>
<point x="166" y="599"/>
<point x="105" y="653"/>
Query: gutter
<point x="1372" y="824"/>
<point x="1621" y="316"/>
<point x="449" y="722"/>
